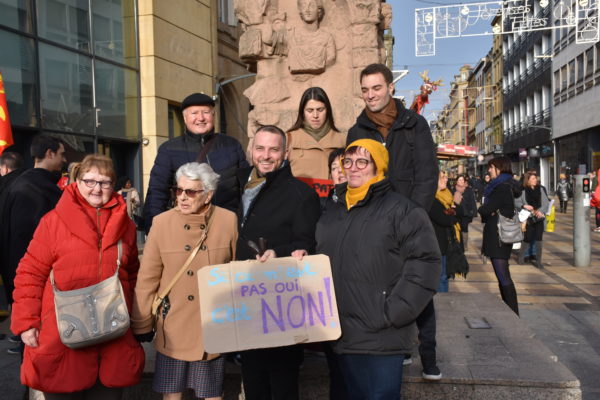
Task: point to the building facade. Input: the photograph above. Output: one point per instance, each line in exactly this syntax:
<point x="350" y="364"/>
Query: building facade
<point x="576" y="120"/>
<point x="108" y="76"/>
<point x="527" y="114"/>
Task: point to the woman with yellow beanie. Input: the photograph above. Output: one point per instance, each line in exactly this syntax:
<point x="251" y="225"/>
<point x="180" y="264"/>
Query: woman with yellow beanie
<point x="385" y="271"/>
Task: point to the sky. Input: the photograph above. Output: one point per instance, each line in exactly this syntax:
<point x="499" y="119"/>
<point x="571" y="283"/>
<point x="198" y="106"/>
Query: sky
<point x="450" y="55"/>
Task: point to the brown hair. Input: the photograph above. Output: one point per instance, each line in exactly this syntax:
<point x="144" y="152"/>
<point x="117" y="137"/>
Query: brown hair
<point x="528" y="175"/>
<point x="103" y="163"/>
<point x="502" y="163"/>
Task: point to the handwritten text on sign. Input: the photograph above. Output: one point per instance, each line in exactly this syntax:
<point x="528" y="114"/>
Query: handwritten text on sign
<point x="248" y="304"/>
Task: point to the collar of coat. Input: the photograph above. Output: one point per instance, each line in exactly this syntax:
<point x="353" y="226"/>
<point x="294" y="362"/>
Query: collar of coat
<point x="406" y="118"/>
<point x="203" y="138"/>
<point x="71" y="210"/>
<point x="376" y="189"/>
<point x="281" y="173"/>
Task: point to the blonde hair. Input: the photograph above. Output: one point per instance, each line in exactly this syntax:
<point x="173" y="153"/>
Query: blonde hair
<point x="102" y="163"/>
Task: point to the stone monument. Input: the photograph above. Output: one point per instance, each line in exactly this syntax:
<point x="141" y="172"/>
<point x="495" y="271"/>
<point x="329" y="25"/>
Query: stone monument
<point x="295" y="44"/>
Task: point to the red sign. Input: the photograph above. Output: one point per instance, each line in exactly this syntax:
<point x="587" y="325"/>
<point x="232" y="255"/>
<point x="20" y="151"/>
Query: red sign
<point x="460" y="150"/>
<point x="321" y="186"/>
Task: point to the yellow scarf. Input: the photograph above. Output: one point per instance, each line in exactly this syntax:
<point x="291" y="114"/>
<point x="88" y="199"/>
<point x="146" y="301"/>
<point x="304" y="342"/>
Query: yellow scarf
<point x="445" y="197"/>
<point x="254" y="180"/>
<point x="381" y="157"/>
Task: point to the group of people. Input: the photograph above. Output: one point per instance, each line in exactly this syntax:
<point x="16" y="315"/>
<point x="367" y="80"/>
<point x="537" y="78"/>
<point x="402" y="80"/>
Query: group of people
<point x="206" y="204"/>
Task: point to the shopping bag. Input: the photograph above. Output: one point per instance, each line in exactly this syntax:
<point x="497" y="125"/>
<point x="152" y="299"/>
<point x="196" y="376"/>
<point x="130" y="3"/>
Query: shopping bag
<point x="550" y="219"/>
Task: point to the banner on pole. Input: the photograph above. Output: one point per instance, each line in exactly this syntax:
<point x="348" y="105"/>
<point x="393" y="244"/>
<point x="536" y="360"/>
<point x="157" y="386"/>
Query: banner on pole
<point x="249" y="305"/>
<point x="6" y="137"/>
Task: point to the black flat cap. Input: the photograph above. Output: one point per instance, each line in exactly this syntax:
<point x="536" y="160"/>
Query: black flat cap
<point x="197" y="99"/>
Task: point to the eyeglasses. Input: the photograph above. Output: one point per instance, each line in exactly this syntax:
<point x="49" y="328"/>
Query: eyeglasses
<point x="361" y="163"/>
<point x="91" y="183"/>
<point x="191" y="193"/>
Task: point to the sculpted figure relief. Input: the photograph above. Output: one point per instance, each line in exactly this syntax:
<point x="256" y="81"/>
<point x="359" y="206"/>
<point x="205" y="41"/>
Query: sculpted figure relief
<point x="311" y="49"/>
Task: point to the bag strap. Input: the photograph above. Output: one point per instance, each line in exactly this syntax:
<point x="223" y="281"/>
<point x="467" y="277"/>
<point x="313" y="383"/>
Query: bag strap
<point x="187" y="262"/>
<point x="119" y="255"/>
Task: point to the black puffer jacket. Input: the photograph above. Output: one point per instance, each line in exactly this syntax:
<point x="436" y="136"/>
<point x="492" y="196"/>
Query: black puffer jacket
<point x="413" y="167"/>
<point x="285" y="212"/>
<point x="385" y="267"/>
<point x="225" y="156"/>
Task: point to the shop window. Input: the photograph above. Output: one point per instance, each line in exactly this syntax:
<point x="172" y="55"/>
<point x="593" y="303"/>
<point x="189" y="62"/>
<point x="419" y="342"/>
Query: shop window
<point x="66" y="89"/>
<point x="17" y="65"/>
<point x="117" y="113"/>
<point x="114" y="30"/>
<point x="65" y="22"/>
<point x="16" y="14"/>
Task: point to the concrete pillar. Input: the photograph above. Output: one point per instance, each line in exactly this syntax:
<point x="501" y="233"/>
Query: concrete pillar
<point x="581" y="224"/>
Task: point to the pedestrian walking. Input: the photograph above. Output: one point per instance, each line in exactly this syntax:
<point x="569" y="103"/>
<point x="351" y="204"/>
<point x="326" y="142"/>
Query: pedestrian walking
<point x="468" y="206"/>
<point x="595" y="202"/>
<point x="78" y="241"/>
<point x="534" y="198"/>
<point x="499" y="198"/>
<point x="125" y="188"/>
<point x="564" y="190"/>
<point x="182" y="240"/>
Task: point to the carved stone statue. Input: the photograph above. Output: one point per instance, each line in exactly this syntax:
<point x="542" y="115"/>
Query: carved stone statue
<point x="311" y="49"/>
<point x="295" y="44"/>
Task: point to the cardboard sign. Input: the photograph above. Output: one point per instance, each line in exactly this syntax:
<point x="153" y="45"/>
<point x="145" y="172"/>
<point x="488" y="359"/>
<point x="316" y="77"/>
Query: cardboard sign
<point x="250" y="305"/>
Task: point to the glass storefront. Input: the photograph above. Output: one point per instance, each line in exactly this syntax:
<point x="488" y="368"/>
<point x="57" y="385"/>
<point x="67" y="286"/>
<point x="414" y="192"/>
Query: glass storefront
<point x="72" y="71"/>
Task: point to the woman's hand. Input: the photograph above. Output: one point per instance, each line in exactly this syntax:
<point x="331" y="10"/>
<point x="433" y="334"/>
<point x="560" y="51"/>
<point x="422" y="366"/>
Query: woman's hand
<point x="539" y="214"/>
<point x="299" y="254"/>
<point x="528" y="207"/>
<point x="30" y="337"/>
<point x="266" y="255"/>
<point x="457" y="197"/>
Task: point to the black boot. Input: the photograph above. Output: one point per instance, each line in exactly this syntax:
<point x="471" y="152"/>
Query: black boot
<point x="509" y="296"/>
<point x="538" y="254"/>
<point x="521" y="258"/>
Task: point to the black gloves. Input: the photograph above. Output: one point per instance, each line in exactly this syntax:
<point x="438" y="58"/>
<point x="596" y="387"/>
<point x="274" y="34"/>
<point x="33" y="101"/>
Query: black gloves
<point x="144" y="337"/>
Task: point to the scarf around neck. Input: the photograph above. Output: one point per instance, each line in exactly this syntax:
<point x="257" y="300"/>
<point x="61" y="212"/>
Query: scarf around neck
<point x="384" y="119"/>
<point x="533" y="196"/>
<point x="380" y="155"/>
<point x="503" y="177"/>
<point x="254" y="180"/>
<point x="319" y="133"/>
<point x="446" y="198"/>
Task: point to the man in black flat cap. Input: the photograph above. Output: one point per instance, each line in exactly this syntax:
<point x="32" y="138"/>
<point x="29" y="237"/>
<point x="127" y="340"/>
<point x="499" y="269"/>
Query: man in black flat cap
<point x="199" y="142"/>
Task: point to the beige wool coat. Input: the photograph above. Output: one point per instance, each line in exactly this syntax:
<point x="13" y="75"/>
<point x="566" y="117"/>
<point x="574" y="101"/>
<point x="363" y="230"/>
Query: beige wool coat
<point x="308" y="157"/>
<point x="171" y="240"/>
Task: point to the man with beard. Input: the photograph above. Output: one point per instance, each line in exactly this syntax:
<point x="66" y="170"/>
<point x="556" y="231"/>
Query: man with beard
<point x="280" y="213"/>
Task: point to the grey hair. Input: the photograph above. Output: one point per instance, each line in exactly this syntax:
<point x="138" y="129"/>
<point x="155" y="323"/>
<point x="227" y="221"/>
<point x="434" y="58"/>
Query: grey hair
<point x="199" y="172"/>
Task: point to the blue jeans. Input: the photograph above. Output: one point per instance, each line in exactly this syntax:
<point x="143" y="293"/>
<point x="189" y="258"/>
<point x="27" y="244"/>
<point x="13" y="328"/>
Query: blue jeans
<point x="531" y="250"/>
<point x="443" y="286"/>
<point x="372" y="377"/>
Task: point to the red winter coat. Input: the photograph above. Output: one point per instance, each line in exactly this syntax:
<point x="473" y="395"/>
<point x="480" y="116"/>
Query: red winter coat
<point x="68" y="241"/>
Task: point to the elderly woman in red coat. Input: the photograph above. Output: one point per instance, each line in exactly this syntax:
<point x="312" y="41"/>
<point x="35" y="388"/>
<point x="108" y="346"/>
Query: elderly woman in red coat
<point x="78" y="241"/>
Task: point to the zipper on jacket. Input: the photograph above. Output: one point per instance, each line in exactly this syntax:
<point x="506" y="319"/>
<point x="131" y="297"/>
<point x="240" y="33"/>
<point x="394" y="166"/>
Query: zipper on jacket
<point x="99" y="245"/>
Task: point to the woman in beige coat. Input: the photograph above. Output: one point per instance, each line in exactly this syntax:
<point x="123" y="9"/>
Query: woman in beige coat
<point x="314" y="136"/>
<point x="181" y="361"/>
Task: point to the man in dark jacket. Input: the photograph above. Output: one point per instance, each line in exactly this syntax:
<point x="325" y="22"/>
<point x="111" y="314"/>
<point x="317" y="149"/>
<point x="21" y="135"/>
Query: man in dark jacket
<point x="413" y="168"/>
<point x="282" y="210"/>
<point x="199" y="142"/>
<point x="23" y="205"/>
<point x="11" y="166"/>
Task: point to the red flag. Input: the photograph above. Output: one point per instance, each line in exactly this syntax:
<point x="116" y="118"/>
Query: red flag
<point x="6" y="138"/>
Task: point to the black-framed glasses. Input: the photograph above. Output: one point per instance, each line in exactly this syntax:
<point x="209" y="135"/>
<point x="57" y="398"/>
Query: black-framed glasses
<point x="191" y="193"/>
<point x="361" y="163"/>
<point x="91" y="183"/>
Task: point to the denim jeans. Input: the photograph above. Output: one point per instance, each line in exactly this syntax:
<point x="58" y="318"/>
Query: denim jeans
<point x="443" y="285"/>
<point x="372" y="377"/>
<point x="531" y="250"/>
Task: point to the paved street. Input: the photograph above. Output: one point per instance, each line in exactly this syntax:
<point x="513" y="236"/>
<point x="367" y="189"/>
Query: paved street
<point x="560" y="304"/>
